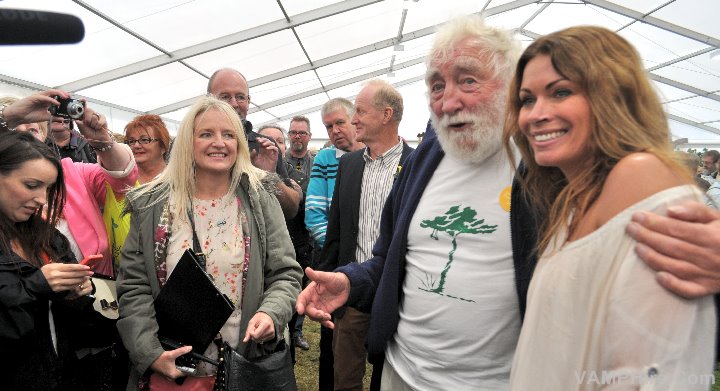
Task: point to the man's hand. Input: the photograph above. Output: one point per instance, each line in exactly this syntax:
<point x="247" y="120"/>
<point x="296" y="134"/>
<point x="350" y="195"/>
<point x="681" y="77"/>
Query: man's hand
<point x="266" y="156"/>
<point x="684" y="247"/>
<point x="327" y="292"/>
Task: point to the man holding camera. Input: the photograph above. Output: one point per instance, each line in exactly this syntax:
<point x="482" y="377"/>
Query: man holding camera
<point x="67" y="141"/>
<point x="231" y="86"/>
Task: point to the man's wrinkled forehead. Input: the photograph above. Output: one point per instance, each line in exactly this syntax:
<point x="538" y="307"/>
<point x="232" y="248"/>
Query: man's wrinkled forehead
<point x="460" y="59"/>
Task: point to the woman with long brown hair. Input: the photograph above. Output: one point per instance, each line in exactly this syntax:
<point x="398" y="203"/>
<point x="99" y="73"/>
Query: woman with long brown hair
<point x="595" y="143"/>
<point x="39" y="276"/>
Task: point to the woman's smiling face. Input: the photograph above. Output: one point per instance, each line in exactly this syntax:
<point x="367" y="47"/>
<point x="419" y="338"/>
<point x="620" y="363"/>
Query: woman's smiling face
<point x="555" y="117"/>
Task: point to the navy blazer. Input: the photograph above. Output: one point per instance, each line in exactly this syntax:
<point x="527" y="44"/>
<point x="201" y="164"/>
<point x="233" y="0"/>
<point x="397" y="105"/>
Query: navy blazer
<point x="343" y="218"/>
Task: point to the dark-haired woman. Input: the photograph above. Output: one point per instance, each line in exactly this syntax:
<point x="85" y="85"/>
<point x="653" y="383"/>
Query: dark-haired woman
<point x="40" y="279"/>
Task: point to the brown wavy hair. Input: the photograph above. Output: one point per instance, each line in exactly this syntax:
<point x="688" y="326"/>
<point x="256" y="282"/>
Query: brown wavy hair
<point x="626" y="117"/>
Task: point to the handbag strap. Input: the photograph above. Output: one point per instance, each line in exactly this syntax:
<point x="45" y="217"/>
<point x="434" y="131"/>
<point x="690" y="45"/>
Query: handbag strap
<point x="196" y="242"/>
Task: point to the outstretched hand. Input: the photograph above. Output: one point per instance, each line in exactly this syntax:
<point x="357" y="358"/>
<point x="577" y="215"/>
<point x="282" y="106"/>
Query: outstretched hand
<point x="326" y="292"/>
<point x="684" y="247"/>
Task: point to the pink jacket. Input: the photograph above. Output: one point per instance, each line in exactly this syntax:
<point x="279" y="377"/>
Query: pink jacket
<point x="85" y="188"/>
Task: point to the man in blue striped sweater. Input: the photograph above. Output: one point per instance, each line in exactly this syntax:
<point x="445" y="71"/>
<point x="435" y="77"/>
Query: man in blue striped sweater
<point x="336" y="114"/>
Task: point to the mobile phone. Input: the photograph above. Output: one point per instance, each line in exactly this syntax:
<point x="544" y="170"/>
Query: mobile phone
<point x="92" y="260"/>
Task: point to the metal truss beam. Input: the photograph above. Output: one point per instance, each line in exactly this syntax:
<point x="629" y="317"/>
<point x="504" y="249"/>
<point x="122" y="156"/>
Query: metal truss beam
<point x="339" y="84"/>
<point x="693" y="123"/>
<point x="653" y="21"/>
<point x="215" y="44"/>
<point x="345" y="55"/>
<point x="682" y="86"/>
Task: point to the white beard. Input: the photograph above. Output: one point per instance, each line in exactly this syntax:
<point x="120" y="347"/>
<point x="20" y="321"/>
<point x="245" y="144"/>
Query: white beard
<point x="475" y="144"/>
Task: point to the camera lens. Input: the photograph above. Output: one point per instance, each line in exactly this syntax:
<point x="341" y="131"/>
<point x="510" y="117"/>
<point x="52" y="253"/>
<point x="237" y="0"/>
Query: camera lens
<point x="75" y="109"/>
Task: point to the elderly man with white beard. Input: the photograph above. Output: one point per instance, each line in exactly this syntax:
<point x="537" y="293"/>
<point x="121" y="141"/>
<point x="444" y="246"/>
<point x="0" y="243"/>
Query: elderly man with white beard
<point x="449" y="304"/>
<point x="447" y="284"/>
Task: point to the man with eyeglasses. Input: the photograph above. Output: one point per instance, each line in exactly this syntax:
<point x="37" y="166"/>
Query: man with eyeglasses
<point x="232" y="87"/>
<point x="298" y="154"/>
<point x="302" y="160"/>
<point x="68" y="143"/>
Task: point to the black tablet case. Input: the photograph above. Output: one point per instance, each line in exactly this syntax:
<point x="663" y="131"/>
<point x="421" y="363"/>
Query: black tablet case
<point x="189" y="309"/>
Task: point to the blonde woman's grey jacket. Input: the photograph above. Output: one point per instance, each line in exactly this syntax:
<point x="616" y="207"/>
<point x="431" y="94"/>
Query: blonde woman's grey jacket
<point x="273" y="279"/>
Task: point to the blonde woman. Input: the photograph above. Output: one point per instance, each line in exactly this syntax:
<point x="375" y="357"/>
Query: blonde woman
<point x="590" y="128"/>
<point x="242" y="233"/>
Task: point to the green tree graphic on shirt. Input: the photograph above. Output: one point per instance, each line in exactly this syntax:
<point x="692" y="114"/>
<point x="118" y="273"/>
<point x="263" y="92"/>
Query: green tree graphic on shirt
<point x="454" y="222"/>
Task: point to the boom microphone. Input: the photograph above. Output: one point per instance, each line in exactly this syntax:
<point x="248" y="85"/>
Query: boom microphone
<point x="26" y="27"/>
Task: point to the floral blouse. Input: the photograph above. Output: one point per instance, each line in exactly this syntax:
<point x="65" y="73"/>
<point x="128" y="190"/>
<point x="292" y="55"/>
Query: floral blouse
<point x="221" y="227"/>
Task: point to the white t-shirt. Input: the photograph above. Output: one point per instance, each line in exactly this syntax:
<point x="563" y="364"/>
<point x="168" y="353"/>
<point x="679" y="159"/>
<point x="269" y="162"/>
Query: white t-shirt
<point x="458" y="330"/>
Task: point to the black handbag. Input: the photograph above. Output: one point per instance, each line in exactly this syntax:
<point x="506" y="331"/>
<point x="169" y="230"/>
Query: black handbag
<point x="273" y="372"/>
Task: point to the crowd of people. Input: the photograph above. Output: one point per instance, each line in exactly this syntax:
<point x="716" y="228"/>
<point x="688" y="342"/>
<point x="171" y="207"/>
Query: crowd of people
<point x="520" y="246"/>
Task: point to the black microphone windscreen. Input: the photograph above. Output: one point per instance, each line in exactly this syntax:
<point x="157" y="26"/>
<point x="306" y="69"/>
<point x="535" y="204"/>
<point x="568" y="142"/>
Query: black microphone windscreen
<point x="27" y="27"/>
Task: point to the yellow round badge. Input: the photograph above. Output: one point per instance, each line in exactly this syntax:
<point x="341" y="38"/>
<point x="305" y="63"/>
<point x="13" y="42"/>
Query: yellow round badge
<point x="505" y="198"/>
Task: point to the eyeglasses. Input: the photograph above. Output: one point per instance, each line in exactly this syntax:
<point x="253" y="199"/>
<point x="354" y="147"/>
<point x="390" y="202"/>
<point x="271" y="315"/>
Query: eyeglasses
<point x="238" y="98"/>
<point x="142" y="140"/>
<point x="294" y="133"/>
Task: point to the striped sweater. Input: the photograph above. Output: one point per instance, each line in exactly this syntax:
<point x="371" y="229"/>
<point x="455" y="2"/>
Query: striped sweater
<point x="320" y="191"/>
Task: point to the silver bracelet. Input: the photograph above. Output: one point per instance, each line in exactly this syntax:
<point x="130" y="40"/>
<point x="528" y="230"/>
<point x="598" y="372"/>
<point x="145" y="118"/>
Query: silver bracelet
<point x="3" y="122"/>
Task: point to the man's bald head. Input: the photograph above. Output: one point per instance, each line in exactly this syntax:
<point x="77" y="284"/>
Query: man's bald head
<point x="232" y="87"/>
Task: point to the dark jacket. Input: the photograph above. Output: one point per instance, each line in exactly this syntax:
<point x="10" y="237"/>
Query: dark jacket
<point x="376" y="285"/>
<point x="343" y="217"/>
<point x="78" y="149"/>
<point x="27" y="357"/>
<point x="299" y="234"/>
<point x="344" y="214"/>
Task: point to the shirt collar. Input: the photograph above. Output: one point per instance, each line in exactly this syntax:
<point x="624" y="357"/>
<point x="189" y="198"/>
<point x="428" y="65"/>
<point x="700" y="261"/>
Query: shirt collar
<point x="389" y="154"/>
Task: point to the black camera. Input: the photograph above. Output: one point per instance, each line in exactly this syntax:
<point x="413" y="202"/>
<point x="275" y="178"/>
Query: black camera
<point x="69" y="108"/>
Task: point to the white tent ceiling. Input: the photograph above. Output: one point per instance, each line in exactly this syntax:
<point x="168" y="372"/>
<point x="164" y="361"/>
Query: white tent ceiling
<point x="155" y="56"/>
